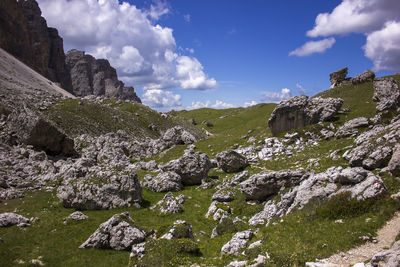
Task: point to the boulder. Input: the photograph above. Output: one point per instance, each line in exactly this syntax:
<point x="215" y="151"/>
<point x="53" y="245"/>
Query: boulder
<point x="218" y="210"/>
<point x="299" y="111"/>
<point x="118" y="233"/>
<point x="386" y="93"/>
<point x="77" y="216"/>
<point x="101" y="190"/>
<point x="163" y="182"/>
<point x="237" y="243"/>
<point x="10" y="218"/>
<point x="224" y="195"/>
<point x="394" y="163"/>
<point x="170" y="204"/>
<point x="262" y="185"/>
<point x="191" y="167"/>
<point x="337" y="77"/>
<point x="91" y="76"/>
<point x="366" y="76"/>
<point x="350" y="127"/>
<point x="32" y="129"/>
<point x="231" y="161"/>
<point x="180" y="229"/>
<point x="177" y="135"/>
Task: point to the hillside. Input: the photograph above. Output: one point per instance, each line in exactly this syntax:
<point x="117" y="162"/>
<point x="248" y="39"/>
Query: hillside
<point x="285" y="200"/>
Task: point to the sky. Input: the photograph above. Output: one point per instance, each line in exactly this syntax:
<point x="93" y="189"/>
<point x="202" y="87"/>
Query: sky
<point x="187" y="54"/>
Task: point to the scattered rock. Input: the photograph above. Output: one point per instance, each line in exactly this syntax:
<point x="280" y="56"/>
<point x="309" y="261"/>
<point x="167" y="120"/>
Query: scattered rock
<point x="386" y="93"/>
<point x="163" y="182"/>
<point x="231" y="161"/>
<point x="218" y="210"/>
<point x="180" y="229"/>
<point x="237" y="243"/>
<point x="77" y="216"/>
<point x="224" y="195"/>
<point x="117" y="233"/>
<point x="366" y="76"/>
<point x="191" y="167"/>
<point x="262" y="185"/>
<point x="350" y="127"/>
<point x="300" y="111"/>
<point x="10" y="218"/>
<point x="389" y="258"/>
<point x="138" y="250"/>
<point x="394" y="163"/>
<point x="178" y="135"/>
<point x="101" y="190"/>
<point x="170" y="204"/>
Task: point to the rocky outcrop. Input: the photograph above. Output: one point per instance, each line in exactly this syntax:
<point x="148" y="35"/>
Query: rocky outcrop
<point x="32" y="129"/>
<point x="300" y="111"/>
<point x="366" y="76"/>
<point x="92" y="76"/>
<point x="231" y="161"/>
<point x="338" y="77"/>
<point x="24" y="34"/>
<point x="101" y="189"/>
<point x="386" y="93"/>
<point x="192" y="167"/>
<point x="262" y="185"/>
<point x="118" y="233"/>
<point x="237" y="243"/>
<point x="360" y="183"/>
<point x="388" y="258"/>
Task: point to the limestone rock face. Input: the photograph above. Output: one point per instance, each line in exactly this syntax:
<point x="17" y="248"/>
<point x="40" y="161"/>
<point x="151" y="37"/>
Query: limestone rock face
<point x="92" y="76"/>
<point x="231" y="161"/>
<point x="237" y="243"/>
<point x="386" y="93"/>
<point x="170" y="204"/>
<point x="338" y="77"/>
<point x="394" y="163"/>
<point x="24" y="34"/>
<point x="300" y="111"/>
<point x="117" y="233"/>
<point x="350" y="127"/>
<point x="388" y="258"/>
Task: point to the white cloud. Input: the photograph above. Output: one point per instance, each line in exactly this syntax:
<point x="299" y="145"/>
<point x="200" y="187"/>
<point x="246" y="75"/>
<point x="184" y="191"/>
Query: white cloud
<point x="161" y="99"/>
<point x="383" y="47"/>
<point x="249" y="104"/>
<point x="356" y="16"/>
<point x="312" y="47"/>
<point x="218" y="105"/>
<point x="301" y="88"/>
<point x="377" y="19"/>
<point x="187" y="17"/>
<point x="274" y="97"/>
<point x="143" y="52"/>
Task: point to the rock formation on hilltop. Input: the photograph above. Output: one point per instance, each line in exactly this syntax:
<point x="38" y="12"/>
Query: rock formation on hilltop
<point x="91" y="76"/>
<point x="300" y="111"/>
<point x="24" y="34"/>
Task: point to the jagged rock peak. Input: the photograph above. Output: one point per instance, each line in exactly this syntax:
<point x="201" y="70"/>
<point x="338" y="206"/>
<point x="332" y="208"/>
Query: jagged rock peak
<point x="91" y="76"/>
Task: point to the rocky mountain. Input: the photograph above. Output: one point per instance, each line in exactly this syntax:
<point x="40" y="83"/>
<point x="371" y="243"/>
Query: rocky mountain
<point x="92" y="76"/>
<point x="24" y="34"/>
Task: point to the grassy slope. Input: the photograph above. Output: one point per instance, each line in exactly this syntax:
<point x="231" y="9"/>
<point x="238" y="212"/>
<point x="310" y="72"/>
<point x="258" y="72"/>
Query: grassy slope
<point x="299" y="237"/>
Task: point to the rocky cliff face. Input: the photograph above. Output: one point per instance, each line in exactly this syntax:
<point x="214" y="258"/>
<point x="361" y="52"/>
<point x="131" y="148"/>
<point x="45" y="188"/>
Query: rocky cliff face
<point x="92" y="76"/>
<point x="24" y="34"/>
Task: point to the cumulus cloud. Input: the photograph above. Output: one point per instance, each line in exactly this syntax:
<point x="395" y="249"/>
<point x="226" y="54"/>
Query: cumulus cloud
<point x="383" y="47"/>
<point x="143" y="52"/>
<point x="313" y="47"/>
<point x="156" y="98"/>
<point x="218" y="105"/>
<point x="249" y="104"/>
<point x="356" y="16"/>
<point x="378" y="20"/>
<point x="274" y="97"/>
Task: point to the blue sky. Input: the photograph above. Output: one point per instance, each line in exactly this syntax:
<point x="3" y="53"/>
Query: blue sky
<point x="181" y="54"/>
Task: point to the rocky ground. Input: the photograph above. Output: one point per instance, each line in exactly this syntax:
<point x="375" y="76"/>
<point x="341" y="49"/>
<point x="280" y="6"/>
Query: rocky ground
<point x="322" y="178"/>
